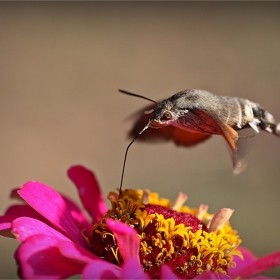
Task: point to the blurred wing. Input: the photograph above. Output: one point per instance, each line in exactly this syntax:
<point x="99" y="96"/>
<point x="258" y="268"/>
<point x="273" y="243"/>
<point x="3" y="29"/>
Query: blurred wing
<point x="178" y="136"/>
<point x="229" y="134"/>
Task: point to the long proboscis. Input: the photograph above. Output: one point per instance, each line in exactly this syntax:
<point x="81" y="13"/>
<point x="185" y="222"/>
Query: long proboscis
<point x="137" y="95"/>
<point x="125" y="156"/>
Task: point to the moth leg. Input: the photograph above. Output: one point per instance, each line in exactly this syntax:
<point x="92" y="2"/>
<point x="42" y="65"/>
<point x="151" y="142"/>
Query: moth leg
<point x="254" y="126"/>
<point x="246" y="136"/>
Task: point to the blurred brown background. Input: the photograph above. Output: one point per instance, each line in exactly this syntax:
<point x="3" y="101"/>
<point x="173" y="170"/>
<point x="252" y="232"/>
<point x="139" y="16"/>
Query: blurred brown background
<point x="62" y="63"/>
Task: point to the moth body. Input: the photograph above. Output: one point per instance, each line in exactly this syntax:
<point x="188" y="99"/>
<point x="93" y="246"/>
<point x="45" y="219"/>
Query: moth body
<point x="192" y="116"/>
<point x="200" y="111"/>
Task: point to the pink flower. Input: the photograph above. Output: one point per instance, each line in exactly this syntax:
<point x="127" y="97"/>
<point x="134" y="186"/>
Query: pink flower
<point x="58" y="240"/>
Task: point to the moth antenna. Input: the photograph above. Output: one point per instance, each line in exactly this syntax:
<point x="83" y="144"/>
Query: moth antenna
<point x="146" y="127"/>
<point x="137" y="95"/>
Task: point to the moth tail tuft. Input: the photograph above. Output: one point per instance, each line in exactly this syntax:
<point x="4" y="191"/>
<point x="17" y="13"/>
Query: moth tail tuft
<point x="273" y="128"/>
<point x="277" y="129"/>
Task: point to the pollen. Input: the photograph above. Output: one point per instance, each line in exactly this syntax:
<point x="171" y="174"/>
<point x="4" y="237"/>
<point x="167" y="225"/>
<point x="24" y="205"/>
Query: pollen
<point x="178" y="238"/>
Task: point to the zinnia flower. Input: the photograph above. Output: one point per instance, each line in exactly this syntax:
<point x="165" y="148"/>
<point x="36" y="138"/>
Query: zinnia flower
<point x="140" y="237"/>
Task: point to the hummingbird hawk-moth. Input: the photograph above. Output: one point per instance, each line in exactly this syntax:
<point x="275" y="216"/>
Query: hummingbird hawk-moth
<point x="193" y="115"/>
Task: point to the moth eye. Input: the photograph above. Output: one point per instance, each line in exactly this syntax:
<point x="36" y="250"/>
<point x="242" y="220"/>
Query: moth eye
<point x="167" y="115"/>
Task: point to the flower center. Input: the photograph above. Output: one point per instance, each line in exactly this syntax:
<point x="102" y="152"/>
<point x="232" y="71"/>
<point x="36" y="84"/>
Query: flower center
<point x="178" y="239"/>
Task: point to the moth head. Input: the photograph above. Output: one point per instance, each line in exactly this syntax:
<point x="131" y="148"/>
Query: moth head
<point x="164" y="114"/>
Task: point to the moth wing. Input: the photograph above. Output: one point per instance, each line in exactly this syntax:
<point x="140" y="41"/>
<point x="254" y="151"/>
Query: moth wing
<point x="168" y="133"/>
<point x="211" y="123"/>
<point x="185" y="138"/>
<point x="231" y="137"/>
<point x="229" y="134"/>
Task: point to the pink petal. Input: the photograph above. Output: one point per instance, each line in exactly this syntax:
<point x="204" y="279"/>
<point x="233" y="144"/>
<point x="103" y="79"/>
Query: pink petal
<point x="166" y="273"/>
<point x="249" y="258"/>
<point x="261" y="265"/>
<point x="43" y="257"/>
<point x="127" y="238"/>
<point x="76" y="252"/>
<point x="13" y="213"/>
<point x="101" y="270"/>
<point x="78" y="215"/>
<point x="5" y="226"/>
<point x="52" y="206"/>
<point x="24" y="211"/>
<point x="89" y="191"/>
<point x="6" y="221"/>
<point x="39" y="258"/>
<point x="24" y="227"/>
<point x="75" y="211"/>
<point x="132" y="269"/>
